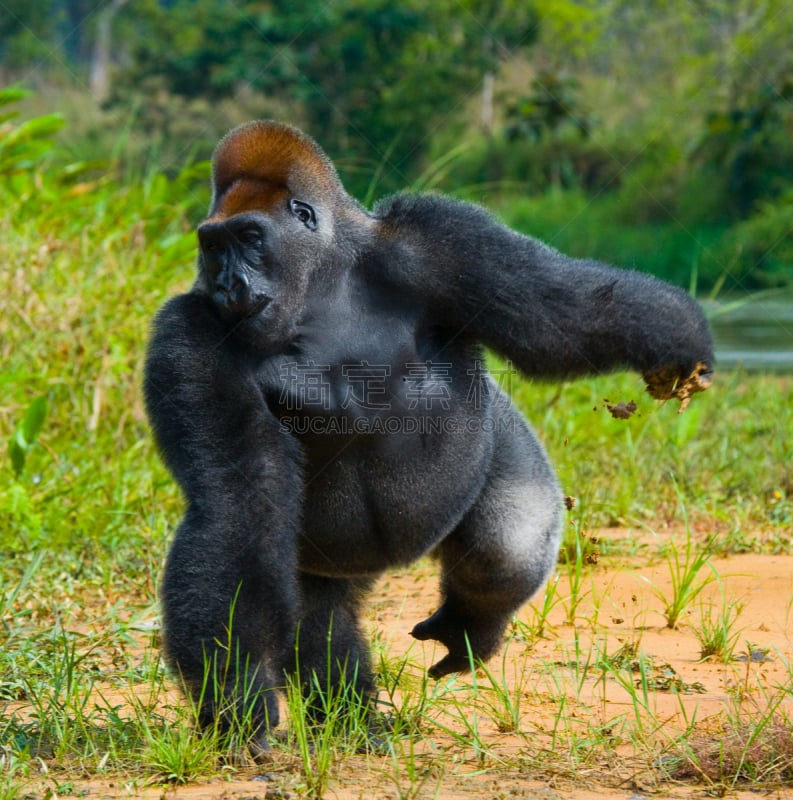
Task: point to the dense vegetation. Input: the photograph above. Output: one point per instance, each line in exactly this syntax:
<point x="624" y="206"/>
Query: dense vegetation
<point x="665" y="127"/>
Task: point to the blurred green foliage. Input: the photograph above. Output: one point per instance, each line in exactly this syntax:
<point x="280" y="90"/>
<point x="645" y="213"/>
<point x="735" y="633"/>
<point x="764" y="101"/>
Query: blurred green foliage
<point x="23" y="145"/>
<point x="87" y="260"/>
<point x="372" y="76"/>
<point x="553" y="105"/>
<point x="672" y="118"/>
<point x="20" y="444"/>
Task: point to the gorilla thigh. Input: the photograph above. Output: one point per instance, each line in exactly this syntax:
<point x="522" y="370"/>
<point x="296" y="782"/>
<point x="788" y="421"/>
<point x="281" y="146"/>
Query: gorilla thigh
<point x="501" y="552"/>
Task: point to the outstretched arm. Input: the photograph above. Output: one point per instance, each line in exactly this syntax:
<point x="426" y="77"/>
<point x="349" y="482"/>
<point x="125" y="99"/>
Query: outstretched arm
<point x="553" y="316"/>
<point x="230" y="583"/>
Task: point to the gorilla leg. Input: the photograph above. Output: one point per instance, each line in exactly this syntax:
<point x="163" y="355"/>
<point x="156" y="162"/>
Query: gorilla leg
<point x="500" y="554"/>
<point x="229" y="593"/>
<point x="332" y="652"/>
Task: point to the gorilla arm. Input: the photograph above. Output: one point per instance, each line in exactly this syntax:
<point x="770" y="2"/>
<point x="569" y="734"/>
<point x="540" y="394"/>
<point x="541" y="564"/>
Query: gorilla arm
<point x="553" y="316"/>
<point x="229" y="592"/>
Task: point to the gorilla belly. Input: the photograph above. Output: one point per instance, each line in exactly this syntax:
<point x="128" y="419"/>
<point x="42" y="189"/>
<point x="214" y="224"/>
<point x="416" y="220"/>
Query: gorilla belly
<point x="368" y="508"/>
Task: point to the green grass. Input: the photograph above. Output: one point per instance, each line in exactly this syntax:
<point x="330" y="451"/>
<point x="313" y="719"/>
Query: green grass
<point x="717" y="631"/>
<point x="690" y="572"/>
<point x="86" y="512"/>
<point x="600" y="227"/>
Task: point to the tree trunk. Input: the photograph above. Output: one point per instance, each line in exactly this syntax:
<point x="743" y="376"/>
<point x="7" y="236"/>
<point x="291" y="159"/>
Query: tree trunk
<point x="488" y="93"/>
<point x="100" y="60"/>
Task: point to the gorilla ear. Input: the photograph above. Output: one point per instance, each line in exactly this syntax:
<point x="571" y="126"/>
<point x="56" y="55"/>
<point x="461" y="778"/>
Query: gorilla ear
<point x="305" y="213"/>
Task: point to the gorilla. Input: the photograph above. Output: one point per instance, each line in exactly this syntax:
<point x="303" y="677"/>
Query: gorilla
<point x="319" y="395"/>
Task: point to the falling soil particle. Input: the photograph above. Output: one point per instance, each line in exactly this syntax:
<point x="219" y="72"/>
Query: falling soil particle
<point x="621" y="410"/>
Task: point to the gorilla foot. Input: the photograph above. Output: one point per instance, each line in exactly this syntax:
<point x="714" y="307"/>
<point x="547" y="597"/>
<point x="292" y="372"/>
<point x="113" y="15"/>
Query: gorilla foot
<point x="449" y="663"/>
<point x="465" y="638"/>
<point x="259" y="749"/>
<point x="254" y="752"/>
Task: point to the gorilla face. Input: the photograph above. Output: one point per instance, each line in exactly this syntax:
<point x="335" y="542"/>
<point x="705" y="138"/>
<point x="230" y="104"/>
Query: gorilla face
<point x="236" y="259"/>
<point x="254" y="266"/>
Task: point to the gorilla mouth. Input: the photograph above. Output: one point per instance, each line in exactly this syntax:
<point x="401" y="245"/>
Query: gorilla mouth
<point x="258" y="305"/>
<point x="240" y="310"/>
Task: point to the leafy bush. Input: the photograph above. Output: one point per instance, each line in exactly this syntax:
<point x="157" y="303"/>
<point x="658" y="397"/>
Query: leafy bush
<point x="765" y="242"/>
<point x="569" y="161"/>
<point x="24" y="145"/>
<point x="749" y="143"/>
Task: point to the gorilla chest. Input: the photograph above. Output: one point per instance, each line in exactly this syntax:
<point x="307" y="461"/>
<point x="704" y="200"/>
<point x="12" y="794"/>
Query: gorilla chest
<point x="362" y="376"/>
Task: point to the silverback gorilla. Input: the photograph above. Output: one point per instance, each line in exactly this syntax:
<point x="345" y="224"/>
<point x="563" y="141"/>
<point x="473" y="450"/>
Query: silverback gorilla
<point x="319" y="397"/>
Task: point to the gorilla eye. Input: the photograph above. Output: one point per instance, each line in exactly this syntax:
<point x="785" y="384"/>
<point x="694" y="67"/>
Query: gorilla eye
<point x="250" y="236"/>
<point x="305" y="213"/>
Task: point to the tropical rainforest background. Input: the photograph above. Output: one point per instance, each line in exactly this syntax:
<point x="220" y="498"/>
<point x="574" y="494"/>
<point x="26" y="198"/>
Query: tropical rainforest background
<point x="656" y="134"/>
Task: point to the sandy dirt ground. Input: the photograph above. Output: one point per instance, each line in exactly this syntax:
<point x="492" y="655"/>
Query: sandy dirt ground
<point x="563" y="696"/>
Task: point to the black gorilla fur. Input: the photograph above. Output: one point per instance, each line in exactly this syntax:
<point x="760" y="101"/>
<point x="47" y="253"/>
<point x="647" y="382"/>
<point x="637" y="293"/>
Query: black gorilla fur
<point x="297" y="501"/>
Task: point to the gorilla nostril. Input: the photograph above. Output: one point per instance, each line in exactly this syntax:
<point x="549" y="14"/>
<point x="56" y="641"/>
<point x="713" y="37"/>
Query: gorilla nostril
<point x="234" y="294"/>
<point x="231" y="284"/>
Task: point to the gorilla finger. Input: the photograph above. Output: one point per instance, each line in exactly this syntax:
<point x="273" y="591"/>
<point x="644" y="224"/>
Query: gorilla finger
<point x="259" y="749"/>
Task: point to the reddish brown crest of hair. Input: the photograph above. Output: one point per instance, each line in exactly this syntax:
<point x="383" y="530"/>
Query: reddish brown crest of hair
<point x="248" y="195"/>
<point x="259" y="163"/>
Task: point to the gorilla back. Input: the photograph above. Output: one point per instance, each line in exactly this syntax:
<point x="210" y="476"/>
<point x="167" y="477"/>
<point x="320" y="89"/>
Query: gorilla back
<point x="320" y="397"/>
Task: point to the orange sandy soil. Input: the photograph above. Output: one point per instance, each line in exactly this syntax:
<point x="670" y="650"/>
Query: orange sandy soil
<point x="617" y="607"/>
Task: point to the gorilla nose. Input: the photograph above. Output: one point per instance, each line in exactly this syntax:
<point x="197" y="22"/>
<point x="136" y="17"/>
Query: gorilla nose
<point x="232" y="291"/>
<point x="234" y="295"/>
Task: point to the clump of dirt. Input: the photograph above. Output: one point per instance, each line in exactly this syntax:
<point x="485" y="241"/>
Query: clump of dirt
<point x="621" y="410"/>
<point x="665" y="383"/>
